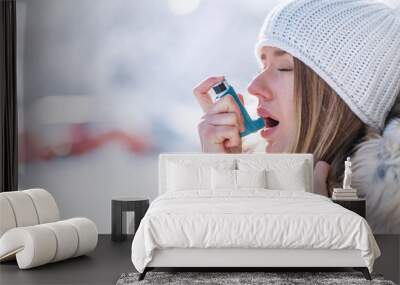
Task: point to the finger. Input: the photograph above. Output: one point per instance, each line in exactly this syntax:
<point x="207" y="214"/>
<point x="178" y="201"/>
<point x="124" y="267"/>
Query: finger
<point x="228" y="119"/>
<point x="227" y="105"/>
<point x="220" y="134"/>
<point x="321" y="172"/>
<point x="228" y="135"/>
<point x="202" y="89"/>
<point x="241" y="98"/>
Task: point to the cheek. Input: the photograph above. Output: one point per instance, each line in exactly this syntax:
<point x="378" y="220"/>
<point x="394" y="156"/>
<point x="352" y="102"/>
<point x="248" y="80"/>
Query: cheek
<point x="289" y="130"/>
<point x="288" y="111"/>
<point x="288" y="100"/>
<point x="290" y="116"/>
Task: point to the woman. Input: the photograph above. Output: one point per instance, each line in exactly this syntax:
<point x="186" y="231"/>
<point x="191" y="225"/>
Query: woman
<point x="330" y="75"/>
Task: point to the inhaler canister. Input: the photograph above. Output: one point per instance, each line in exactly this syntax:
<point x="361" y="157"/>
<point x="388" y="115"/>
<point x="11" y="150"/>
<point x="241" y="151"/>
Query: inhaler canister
<point x="222" y="89"/>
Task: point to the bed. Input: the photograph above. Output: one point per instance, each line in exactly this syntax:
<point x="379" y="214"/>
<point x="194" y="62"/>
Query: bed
<point x="245" y="211"/>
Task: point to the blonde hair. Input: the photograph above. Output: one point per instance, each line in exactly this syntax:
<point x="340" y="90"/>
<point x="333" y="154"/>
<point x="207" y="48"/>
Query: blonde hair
<point x="326" y="126"/>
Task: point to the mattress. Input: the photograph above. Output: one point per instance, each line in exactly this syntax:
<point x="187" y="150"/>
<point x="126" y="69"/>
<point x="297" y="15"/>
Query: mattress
<point x="250" y="218"/>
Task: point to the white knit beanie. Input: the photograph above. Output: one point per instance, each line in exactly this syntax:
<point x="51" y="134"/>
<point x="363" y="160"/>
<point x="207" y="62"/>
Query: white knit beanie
<point x="354" y="45"/>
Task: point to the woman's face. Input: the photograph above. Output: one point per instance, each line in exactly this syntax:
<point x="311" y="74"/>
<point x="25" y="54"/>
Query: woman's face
<point x="273" y="86"/>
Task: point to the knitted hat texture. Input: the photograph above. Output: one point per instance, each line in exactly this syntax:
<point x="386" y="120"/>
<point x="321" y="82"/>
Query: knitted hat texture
<point x="353" y="45"/>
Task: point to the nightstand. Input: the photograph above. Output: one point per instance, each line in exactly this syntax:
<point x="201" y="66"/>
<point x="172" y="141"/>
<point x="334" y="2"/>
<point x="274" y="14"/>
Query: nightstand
<point x="119" y="205"/>
<point x="358" y="206"/>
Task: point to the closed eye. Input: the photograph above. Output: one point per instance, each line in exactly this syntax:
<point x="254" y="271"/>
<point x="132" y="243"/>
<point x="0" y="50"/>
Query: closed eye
<point x="285" y="69"/>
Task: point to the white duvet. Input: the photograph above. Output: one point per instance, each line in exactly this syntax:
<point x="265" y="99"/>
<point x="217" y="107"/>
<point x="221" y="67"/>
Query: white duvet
<point x="250" y="219"/>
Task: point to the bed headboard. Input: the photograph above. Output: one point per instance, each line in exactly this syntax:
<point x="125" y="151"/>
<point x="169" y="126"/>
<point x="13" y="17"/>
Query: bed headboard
<point x="272" y="158"/>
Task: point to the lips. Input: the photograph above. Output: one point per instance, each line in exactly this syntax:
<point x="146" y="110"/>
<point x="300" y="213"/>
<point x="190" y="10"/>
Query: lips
<point x="271" y="120"/>
<point x="266" y="132"/>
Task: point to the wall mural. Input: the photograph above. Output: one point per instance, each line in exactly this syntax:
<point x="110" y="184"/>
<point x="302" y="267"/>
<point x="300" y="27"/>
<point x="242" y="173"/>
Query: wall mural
<point x="105" y="86"/>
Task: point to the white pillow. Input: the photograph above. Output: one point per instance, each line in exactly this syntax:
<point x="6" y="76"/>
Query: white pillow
<point x="193" y="174"/>
<point x="293" y="179"/>
<point x="223" y="179"/>
<point x="228" y="179"/>
<point x="282" y="174"/>
<point x="251" y="178"/>
<point x="187" y="177"/>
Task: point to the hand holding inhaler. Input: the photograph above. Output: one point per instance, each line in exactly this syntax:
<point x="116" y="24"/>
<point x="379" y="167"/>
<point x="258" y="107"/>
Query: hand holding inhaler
<point x="250" y="126"/>
<point x="223" y="124"/>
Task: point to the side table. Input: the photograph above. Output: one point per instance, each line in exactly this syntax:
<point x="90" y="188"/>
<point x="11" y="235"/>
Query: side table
<point x="358" y="206"/>
<point x="126" y="204"/>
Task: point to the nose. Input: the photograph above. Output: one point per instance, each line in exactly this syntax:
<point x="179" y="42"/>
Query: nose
<point x="258" y="87"/>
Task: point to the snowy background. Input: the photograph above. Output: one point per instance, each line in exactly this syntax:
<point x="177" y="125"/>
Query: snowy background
<point x="105" y="86"/>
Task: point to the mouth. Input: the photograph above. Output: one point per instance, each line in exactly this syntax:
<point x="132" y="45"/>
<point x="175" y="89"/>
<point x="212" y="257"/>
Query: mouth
<point x="270" y="127"/>
<point x="270" y="122"/>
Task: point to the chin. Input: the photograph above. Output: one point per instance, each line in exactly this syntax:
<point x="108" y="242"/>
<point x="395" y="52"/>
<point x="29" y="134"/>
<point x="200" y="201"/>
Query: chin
<point x="272" y="148"/>
<point x="276" y="147"/>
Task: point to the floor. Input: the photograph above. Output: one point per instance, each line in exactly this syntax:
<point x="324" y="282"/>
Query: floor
<point x="111" y="259"/>
<point x="103" y="266"/>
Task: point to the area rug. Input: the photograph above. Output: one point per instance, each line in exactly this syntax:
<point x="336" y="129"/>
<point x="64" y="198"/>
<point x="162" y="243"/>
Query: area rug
<point x="225" y="278"/>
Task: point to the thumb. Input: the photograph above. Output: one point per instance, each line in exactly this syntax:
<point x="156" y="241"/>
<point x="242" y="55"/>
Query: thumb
<point x="241" y="98"/>
<point x="321" y="172"/>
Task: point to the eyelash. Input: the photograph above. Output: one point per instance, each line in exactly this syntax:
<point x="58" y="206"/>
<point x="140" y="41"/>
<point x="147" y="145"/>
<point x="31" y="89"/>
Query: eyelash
<point x="285" y="70"/>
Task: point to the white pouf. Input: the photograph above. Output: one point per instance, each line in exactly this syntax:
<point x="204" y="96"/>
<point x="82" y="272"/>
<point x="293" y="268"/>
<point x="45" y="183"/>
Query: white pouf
<point x="31" y="232"/>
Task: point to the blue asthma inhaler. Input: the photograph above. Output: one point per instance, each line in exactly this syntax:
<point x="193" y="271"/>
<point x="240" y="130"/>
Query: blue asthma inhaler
<point x="250" y="126"/>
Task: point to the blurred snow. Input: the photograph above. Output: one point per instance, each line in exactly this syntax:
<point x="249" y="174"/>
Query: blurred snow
<point x="126" y="67"/>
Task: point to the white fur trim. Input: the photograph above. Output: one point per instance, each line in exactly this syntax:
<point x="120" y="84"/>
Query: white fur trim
<point x="376" y="173"/>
